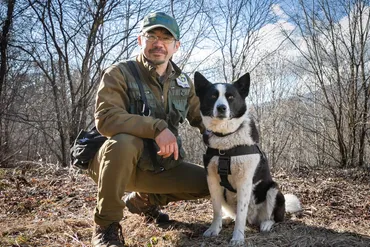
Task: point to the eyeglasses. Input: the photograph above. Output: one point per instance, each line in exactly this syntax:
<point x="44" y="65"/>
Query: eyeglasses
<point x="152" y="38"/>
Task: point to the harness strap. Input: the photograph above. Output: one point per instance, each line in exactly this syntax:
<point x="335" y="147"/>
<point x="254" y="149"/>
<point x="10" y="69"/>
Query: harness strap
<point x="227" y="134"/>
<point x="224" y="160"/>
<point x="224" y="170"/>
<point x="236" y="151"/>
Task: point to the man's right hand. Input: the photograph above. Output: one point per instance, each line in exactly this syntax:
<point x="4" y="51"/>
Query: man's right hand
<point x="167" y="144"/>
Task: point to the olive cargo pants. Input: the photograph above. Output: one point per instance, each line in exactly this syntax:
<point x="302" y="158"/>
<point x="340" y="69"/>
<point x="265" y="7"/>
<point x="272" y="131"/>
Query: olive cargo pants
<point x="114" y="168"/>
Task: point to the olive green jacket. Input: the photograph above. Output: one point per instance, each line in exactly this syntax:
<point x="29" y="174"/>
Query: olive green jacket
<point x="173" y="100"/>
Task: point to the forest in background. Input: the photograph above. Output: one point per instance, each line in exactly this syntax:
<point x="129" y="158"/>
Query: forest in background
<point x="309" y="65"/>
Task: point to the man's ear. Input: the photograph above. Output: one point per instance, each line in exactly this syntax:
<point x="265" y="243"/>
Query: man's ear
<point x="177" y="44"/>
<point x="200" y="83"/>
<point x="139" y="40"/>
<point x="243" y="84"/>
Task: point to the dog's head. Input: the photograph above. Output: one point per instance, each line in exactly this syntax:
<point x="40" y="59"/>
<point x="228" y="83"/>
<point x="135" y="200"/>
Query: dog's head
<point x="222" y="105"/>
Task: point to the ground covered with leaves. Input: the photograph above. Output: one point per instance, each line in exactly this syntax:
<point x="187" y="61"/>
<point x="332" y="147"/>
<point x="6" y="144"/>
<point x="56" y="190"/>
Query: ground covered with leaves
<point x="42" y="205"/>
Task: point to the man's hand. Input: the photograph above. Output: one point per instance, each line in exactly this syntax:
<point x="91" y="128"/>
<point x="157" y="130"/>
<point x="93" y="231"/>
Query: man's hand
<point x="167" y="144"/>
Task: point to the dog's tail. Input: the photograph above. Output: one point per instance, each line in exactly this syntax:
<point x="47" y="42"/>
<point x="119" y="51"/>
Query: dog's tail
<point x="292" y="203"/>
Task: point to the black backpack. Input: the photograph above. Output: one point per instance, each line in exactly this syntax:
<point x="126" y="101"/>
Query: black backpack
<point x="88" y="143"/>
<point x="85" y="147"/>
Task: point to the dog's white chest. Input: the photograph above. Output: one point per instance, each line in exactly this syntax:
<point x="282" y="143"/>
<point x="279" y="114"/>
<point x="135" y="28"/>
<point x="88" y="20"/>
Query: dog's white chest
<point x="242" y="168"/>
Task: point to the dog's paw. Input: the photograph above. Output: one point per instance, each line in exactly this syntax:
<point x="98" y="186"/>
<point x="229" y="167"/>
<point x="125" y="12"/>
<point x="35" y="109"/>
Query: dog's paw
<point x="237" y="239"/>
<point x="236" y="242"/>
<point x="266" y="225"/>
<point x="212" y="231"/>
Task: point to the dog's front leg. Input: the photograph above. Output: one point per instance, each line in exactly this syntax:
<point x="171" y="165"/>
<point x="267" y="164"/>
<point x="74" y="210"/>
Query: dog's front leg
<point x="243" y="197"/>
<point x="216" y="192"/>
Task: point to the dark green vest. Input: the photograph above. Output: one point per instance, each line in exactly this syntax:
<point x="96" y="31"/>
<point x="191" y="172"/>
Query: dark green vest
<point x="177" y="111"/>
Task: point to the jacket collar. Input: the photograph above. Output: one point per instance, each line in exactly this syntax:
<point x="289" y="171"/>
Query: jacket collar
<point x="172" y="72"/>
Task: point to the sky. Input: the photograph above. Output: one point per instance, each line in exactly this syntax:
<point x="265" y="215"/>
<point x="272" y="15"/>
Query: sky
<point x="271" y="40"/>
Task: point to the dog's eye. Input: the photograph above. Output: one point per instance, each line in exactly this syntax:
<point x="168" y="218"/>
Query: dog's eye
<point x="214" y="96"/>
<point x="230" y="97"/>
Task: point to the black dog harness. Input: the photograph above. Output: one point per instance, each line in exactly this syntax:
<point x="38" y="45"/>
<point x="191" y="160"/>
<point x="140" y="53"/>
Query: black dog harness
<point x="224" y="160"/>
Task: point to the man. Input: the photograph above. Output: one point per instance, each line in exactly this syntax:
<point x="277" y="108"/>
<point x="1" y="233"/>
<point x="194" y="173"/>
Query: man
<point x="143" y="154"/>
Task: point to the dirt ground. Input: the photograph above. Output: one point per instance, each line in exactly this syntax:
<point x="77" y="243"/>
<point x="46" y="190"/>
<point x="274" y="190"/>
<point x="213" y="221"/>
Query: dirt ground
<point x="42" y="205"/>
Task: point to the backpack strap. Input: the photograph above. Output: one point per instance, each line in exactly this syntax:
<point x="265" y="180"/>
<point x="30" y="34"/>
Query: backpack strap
<point x="145" y="111"/>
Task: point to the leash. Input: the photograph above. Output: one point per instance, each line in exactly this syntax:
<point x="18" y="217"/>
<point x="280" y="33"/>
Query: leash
<point x="224" y="160"/>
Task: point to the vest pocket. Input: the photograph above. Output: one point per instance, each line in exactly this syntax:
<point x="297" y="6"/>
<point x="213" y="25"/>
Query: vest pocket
<point x="180" y="111"/>
<point x="170" y="162"/>
<point x="145" y="162"/>
<point x="151" y="161"/>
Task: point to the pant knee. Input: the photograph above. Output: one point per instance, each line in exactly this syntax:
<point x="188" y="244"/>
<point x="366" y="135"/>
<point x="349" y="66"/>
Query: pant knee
<point x="127" y="143"/>
<point x="118" y="151"/>
<point x="127" y="147"/>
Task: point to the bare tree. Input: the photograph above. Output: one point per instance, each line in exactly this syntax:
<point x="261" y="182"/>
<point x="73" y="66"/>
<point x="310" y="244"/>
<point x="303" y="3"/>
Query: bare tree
<point x="68" y="44"/>
<point x="4" y="40"/>
<point x="272" y="87"/>
<point x="194" y="29"/>
<point x="335" y="37"/>
<point x="235" y="32"/>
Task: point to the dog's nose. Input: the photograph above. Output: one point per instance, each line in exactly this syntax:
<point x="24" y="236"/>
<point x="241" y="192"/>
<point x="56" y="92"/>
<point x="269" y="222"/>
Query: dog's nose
<point x="221" y="108"/>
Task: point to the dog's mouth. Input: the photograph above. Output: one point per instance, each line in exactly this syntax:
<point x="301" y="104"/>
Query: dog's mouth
<point x="216" y="115"/>
<point x="221" y="116"/>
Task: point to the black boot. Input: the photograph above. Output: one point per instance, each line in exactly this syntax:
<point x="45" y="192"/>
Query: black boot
<point x="139" y="204"/>
<point x="110" y="235"/>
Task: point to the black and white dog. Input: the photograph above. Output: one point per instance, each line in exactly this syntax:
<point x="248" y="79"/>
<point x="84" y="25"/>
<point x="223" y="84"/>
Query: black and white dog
<point x="239" y="178"/>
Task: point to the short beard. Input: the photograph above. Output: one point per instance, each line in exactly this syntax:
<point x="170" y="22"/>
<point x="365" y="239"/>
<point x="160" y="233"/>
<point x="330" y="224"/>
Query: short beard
<point x="156" y="63"/>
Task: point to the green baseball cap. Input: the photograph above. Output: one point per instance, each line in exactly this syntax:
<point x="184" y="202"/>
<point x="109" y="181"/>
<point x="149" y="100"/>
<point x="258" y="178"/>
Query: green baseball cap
<point x="160" y="19"/>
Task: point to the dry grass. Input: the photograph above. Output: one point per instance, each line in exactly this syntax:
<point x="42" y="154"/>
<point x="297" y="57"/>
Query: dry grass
<point x="46" y="206"/>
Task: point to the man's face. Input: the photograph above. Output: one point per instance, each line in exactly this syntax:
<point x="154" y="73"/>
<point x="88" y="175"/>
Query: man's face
<point x="158" y="51"/>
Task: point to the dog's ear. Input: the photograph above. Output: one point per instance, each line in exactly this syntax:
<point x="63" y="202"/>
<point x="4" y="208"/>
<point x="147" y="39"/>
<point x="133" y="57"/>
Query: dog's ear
<point x="200" y="83"/>
<point x="242" y="84"/>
